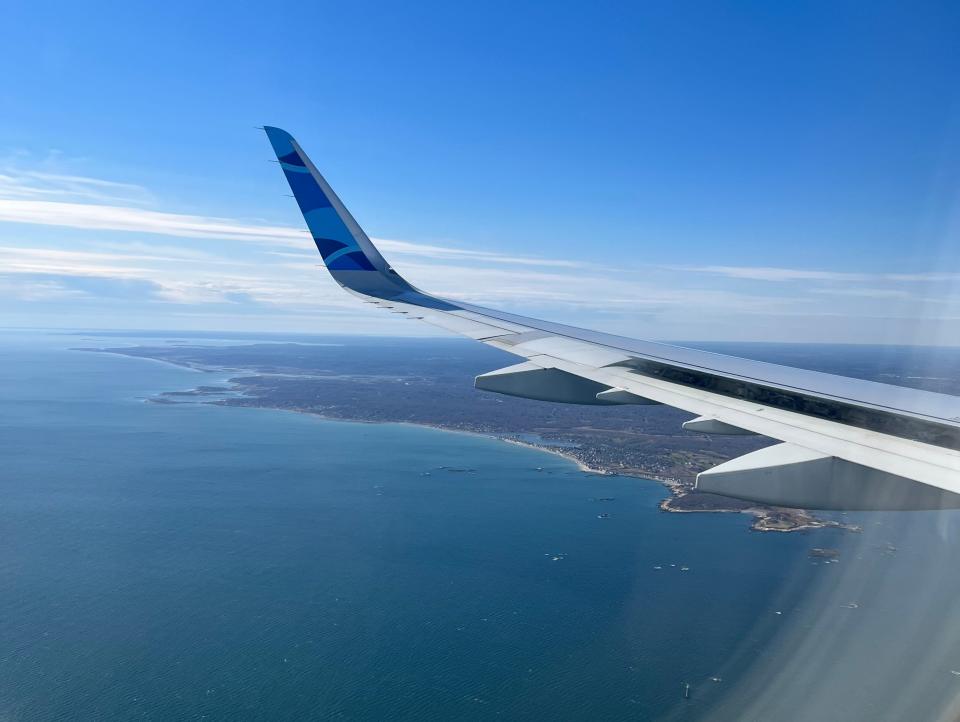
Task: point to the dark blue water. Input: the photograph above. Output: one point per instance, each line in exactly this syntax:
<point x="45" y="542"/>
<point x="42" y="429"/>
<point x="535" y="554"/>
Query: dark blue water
<point x="201" y="562"/>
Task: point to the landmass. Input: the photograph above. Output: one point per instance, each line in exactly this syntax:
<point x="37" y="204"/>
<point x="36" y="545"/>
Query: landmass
<point x="430" y="383"/>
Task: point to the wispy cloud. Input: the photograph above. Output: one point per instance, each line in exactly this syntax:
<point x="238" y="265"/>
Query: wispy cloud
<point x="766" y="273"/>
<point x="446" y="253"/>
<point x="301" y="284"/>
<point x="78" y="263"/>
<point x="140" y="220"/>
<point x="36" y="290"/>
<point x="31" y="184"/>
<point x="763" y="273"/>
<point x="897" y="293"/>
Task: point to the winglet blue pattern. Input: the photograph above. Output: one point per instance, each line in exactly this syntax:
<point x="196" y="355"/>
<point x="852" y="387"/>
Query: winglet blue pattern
<point x="336" y="243"/>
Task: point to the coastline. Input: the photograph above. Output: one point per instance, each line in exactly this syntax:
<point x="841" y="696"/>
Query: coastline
<point x="549" y="450"/>
<point x="765" y="519"/>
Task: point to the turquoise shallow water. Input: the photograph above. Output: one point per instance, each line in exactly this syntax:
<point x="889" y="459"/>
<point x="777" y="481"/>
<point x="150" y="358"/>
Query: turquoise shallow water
<point x="198" y="562"/>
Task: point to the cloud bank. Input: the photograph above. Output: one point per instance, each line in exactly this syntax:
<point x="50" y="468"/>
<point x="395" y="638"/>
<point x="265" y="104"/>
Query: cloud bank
<point x="218" y="269"/>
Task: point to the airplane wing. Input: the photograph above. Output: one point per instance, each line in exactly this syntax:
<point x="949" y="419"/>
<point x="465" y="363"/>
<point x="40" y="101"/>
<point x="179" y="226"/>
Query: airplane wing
<point x="846" y="443"/>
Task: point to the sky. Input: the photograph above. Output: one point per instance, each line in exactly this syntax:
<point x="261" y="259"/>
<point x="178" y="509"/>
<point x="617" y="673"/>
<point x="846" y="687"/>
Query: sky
<point x="746" y="171"/>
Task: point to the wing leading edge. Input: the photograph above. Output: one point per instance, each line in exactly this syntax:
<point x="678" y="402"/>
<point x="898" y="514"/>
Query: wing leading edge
<point x="847" y="443"/>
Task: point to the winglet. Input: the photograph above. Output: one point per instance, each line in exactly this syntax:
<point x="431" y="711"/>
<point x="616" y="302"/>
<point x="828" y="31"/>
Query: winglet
<point x="347" y="252"/>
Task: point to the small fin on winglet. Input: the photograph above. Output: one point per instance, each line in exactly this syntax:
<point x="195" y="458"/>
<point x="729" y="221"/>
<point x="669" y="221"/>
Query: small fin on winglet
<point x="347" y="252"/>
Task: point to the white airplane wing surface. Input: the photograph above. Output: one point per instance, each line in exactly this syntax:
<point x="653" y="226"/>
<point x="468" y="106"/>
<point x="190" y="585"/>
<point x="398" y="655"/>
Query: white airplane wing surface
<point x="845" y="443"/>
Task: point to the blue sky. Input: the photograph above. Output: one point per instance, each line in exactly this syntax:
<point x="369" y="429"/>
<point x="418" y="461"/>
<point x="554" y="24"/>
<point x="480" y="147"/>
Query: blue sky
<point x="743" y="171"/>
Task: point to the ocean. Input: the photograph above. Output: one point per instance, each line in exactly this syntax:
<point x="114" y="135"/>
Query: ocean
<point x="193" y="561"/>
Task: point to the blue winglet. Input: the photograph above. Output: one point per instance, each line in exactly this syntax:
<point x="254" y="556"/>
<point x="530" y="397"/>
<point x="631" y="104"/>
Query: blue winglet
<point x="350" y="256"/>
<point x="327" y="219"/>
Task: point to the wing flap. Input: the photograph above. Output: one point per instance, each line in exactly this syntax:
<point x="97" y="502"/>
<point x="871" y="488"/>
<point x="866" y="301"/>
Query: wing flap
<point x="792" y="476"/>
<point x="531" y="381"/>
